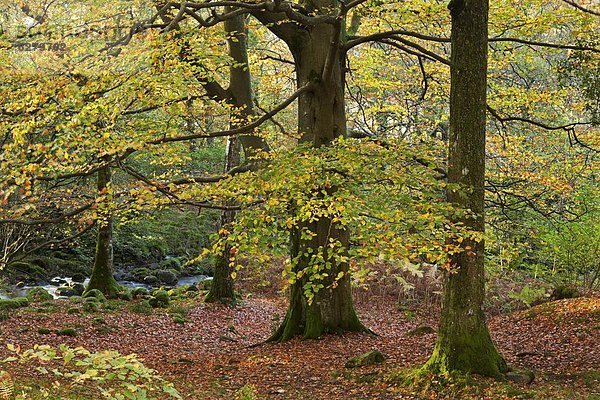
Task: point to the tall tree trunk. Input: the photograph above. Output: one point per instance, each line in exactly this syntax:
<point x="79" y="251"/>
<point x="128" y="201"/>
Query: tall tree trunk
<point x="221" y="289"/>
<point x="241" y="99"/>
<point x="102" y="272"/>
<point x="463" y="342"/>
<point x="321" y="119"/>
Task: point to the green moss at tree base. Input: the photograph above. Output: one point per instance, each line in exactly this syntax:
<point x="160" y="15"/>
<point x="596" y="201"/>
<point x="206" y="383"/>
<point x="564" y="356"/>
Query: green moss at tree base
<point x="475" y="354"/>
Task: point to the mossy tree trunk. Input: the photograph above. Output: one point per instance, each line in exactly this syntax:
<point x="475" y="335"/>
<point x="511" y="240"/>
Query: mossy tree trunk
<point x="240" y="97"/>
<point x="464" y="343"/>
<point x="321" y="119"/>
<point x="102" y="272"/>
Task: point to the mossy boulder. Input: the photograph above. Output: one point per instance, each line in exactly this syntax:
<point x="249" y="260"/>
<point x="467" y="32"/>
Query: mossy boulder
<point x="561" y="292"/>
<point x="139" y="292"/>
<point x="520" y="377"/>
<point x="13" y="304"/>
<point x="39" y="294"/>
<point x="139" y="274"/>
<point x="171" y="263"/>
<point x="167" y="277"/>
<point x="160" y="299"/>
<point x="90" y="306"/>
<point x="66" y="291"/>
<point x="95" y="293"/>
<point x="140" y="307"/>
<point x="67" y="332"/>
<point x="78" y="277"/>
<point x="150" y="280"/>
<point x="125" y="294"/>
<point x="27" y="271"/>
<point x="369" y="358"/>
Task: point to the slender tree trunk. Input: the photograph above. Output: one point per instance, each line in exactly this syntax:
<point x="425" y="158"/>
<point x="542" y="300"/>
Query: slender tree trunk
<point x="321" y="119"/>
<point x="102" y="272"/>
<point x="464" y="343"/>
<point x="221" y="289"/>
<point x="241" y="99"/>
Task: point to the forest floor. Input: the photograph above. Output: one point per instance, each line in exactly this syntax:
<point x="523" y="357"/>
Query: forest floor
<point x="211" y="355"/>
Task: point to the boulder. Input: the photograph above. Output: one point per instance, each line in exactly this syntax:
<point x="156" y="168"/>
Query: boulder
<point x="523" y="377"/>
<point x="66" y="291"/>
<point x="150" y="280"/>
<point x="96" y="294"/>
<point x="39" y="294"/>
<point x="79" y="288"/>
<point x="369" y="358"/>
<point x="160" y="299"/>
<point x="167" y="277"/>
<point x="79" y="278"/>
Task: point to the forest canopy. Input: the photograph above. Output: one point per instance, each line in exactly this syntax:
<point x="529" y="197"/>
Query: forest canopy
<point x="311" y="152"/>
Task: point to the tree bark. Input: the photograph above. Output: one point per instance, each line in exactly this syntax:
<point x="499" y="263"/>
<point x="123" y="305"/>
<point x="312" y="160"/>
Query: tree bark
<point x="241" y="99"/>
<point x="102" y="272"/>
<point x="464" y="343"/>
<point x="221" y="289"/>
<point x="321" y="119"/>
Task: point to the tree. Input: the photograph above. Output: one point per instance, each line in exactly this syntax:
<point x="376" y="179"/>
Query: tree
<point x="102" y="272"/>
<point x="464" y="343"/>
<point x="316" y="47"/>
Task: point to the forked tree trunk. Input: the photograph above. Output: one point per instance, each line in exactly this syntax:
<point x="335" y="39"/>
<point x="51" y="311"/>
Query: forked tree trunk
<point x="321" y="119"/>
<point x="464" y="343"/>
<point x="102" y="272"/>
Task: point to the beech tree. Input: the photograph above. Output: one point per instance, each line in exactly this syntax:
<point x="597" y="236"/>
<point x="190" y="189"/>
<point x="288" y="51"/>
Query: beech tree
<point x="463" y="341"/>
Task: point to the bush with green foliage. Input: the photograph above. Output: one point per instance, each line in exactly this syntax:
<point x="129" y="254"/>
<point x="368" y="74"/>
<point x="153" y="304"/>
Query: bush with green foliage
<point x="113" y="375"/>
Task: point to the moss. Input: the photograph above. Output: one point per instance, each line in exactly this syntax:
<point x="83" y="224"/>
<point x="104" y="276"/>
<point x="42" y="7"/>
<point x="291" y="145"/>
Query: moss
<point x="74" y="310"/>
<point x="561" y="292"/>
<point x="171" y="263"/>
<point x="90" y="306"/>
<point x="140" y="307"/>
<point x="139" y="292"/>
<point x="369" y="358"/>
<point x="11" y="304"/>
<point x="30" y="270"/>
<point x="474" y="353"/>
<point x="44" y="331"/>
<point x="67" y="332"/>
<point x="95" y="293"/>
<point x="140" y="273"/>
<point x="39" y="294"/>
<point x="112" y="305"/>
<point x="21" y="301"/>
<point x="160" y="299"/>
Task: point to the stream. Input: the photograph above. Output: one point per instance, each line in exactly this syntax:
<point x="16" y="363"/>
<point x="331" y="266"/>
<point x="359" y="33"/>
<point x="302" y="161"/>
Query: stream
<point x="13" y="291"/>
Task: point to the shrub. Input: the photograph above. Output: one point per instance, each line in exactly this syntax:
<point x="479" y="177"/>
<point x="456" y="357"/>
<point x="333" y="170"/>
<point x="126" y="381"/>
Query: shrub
<point x="113" y="375"/>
